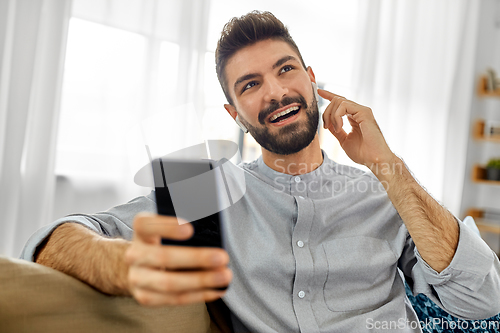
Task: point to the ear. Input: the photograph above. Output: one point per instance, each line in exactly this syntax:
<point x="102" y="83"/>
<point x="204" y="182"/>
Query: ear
<point x="231" y="110"/>
<point x="311" y="74"/>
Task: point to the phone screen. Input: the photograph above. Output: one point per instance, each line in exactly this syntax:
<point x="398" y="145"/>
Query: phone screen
<point x="189" y="189"/>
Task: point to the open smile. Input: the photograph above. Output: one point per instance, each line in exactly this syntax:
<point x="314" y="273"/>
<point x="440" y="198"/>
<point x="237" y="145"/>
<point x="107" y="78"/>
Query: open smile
<point x="285" y="115"/>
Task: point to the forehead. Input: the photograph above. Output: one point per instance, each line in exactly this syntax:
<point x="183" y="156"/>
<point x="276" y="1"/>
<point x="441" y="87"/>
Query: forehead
<point x="257" y="59"/>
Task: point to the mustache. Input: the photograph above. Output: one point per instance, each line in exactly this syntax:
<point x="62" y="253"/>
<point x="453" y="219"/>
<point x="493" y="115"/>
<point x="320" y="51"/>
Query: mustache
<point x="277" y="105"/>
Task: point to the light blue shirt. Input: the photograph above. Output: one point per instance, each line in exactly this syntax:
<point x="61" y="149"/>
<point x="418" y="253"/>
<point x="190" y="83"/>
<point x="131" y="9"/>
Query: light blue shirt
<point x="325" y="252"/>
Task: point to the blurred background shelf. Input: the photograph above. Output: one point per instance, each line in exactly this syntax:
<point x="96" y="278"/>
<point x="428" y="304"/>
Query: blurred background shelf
<point x="478" y="133"/>
<point x="484" y="224"/>
<point x="489" y="227"/>
<point x="479" y="176"/>
<point x="483" y="91"/>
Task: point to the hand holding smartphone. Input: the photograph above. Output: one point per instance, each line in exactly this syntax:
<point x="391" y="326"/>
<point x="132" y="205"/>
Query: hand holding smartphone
<point x="190" y="189"/>
<point x="172" y="275"/>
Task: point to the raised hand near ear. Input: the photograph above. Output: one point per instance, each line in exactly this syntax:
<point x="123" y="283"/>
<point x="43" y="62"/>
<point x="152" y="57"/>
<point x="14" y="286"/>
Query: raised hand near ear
<point x="433" y="229"/>
<point x="365" y="144"/>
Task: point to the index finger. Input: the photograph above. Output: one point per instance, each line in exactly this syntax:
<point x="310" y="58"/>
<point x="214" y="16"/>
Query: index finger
<point x="153" y="225"/>
<point x="327" y="95"/>
<point x="177" y="257"/>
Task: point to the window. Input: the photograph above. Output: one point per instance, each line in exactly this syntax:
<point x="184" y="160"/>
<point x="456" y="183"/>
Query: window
<point x="102" y="91"/>
<point x="116" y="79"/>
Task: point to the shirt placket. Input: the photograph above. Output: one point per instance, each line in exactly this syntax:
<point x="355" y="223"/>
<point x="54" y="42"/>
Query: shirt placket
<point x="303" y="260"/>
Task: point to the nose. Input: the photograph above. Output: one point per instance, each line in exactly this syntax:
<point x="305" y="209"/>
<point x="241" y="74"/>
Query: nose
<point x="274" y="90"/>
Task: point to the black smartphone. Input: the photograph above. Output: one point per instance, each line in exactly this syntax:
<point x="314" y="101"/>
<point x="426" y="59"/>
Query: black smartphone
<point x="190" y="189"/>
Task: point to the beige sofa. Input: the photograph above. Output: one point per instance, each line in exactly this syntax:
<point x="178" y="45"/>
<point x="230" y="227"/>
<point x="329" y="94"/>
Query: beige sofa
<point x="35" y="298"/>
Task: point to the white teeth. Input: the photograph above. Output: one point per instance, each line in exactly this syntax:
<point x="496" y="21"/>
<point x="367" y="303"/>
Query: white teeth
<point x="282" y="113"/>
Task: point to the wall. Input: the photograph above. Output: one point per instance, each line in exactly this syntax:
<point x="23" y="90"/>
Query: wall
<point x="73" y="196"/>
<point x="487" y="55"/>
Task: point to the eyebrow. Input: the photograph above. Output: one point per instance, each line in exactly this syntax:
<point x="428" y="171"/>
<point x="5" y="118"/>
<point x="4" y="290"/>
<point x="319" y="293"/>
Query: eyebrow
<point x="244" y="78"/>
<point x="283" y="60"/>
<point x="278" y="63"/>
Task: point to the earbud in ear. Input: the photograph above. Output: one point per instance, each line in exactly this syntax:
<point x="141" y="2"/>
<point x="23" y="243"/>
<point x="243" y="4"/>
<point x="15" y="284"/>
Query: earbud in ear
<point x="315" y="90"/>
<point x="240" y="124"/>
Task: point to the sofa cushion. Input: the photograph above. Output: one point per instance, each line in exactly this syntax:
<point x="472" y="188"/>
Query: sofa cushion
<point x="35" y="298"/>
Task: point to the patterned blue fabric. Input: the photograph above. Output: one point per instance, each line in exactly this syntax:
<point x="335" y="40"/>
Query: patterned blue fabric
<point x="433" y="319"/>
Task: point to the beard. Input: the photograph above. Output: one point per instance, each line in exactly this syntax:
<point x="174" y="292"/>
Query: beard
<point x="291" y="138"/>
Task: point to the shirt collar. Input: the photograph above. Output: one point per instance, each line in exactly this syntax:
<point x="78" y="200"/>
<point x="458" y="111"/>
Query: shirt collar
<point x="283" y="178"/>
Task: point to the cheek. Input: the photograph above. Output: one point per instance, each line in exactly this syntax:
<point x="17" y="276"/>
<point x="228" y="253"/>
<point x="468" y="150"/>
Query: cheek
<point x="307" y="88"/>
<point x="249" y="108"/>
<point x="302" y="86"/>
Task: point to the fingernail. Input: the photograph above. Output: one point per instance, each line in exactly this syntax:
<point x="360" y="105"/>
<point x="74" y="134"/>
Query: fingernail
<point x="185" y="230"/>
<point x="220" y="278"/>
<point x="217" y="260"/>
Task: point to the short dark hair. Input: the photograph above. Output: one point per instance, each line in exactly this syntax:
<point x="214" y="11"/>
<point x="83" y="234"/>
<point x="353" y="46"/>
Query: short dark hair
<point x="244" y="31"/>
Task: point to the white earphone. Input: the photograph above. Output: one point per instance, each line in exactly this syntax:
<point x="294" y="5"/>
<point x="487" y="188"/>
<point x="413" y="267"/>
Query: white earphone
<point x="315" y="90"/>
<point x="240" y="124"/>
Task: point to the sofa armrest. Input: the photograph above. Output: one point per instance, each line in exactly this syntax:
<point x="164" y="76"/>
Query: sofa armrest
<point x="35" y="298"/>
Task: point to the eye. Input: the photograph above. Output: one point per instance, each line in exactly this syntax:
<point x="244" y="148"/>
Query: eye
<point x="249" y="85"/>
<point x="286" y="68"/>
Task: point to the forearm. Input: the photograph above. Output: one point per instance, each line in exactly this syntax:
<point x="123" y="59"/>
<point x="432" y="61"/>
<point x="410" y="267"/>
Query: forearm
<point x="87" y="256"/>
<point x="433" y="228"/>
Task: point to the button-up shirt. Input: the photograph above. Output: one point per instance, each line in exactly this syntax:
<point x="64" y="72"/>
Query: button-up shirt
<point x="325" y="251"/>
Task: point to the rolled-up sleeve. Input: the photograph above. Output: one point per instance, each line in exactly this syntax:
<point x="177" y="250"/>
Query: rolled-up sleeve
<point x="469" y="287"/>
<point x="115" y="222"/>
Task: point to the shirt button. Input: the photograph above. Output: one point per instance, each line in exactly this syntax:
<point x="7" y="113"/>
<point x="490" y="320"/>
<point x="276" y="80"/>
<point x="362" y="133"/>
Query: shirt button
<point x="300" y="244"/>
<point x="302" y="294"/>
<point x="301" y="197"/>
<point x="297" y="179"/>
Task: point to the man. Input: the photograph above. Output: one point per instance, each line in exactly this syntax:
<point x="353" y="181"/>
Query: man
<point x="314" y="246"/>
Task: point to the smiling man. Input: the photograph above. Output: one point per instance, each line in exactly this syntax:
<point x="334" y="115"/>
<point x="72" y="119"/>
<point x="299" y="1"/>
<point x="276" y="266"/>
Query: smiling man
<point x="286" y="124"/>
<point x="315" y="246"/>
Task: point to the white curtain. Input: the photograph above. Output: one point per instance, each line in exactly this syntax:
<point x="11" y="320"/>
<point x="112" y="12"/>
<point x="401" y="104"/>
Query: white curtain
<point x="32" y="47"/>
<point x="414" y="67"/>
<point x="32" y="55"/>
<point x="183" y="22"/>
<point x="413" y="61"/>
<point x="134" y="77"/>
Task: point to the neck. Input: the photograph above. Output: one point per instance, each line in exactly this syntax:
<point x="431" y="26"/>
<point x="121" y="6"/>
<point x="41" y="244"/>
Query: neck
<point x="305" y="161"/>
